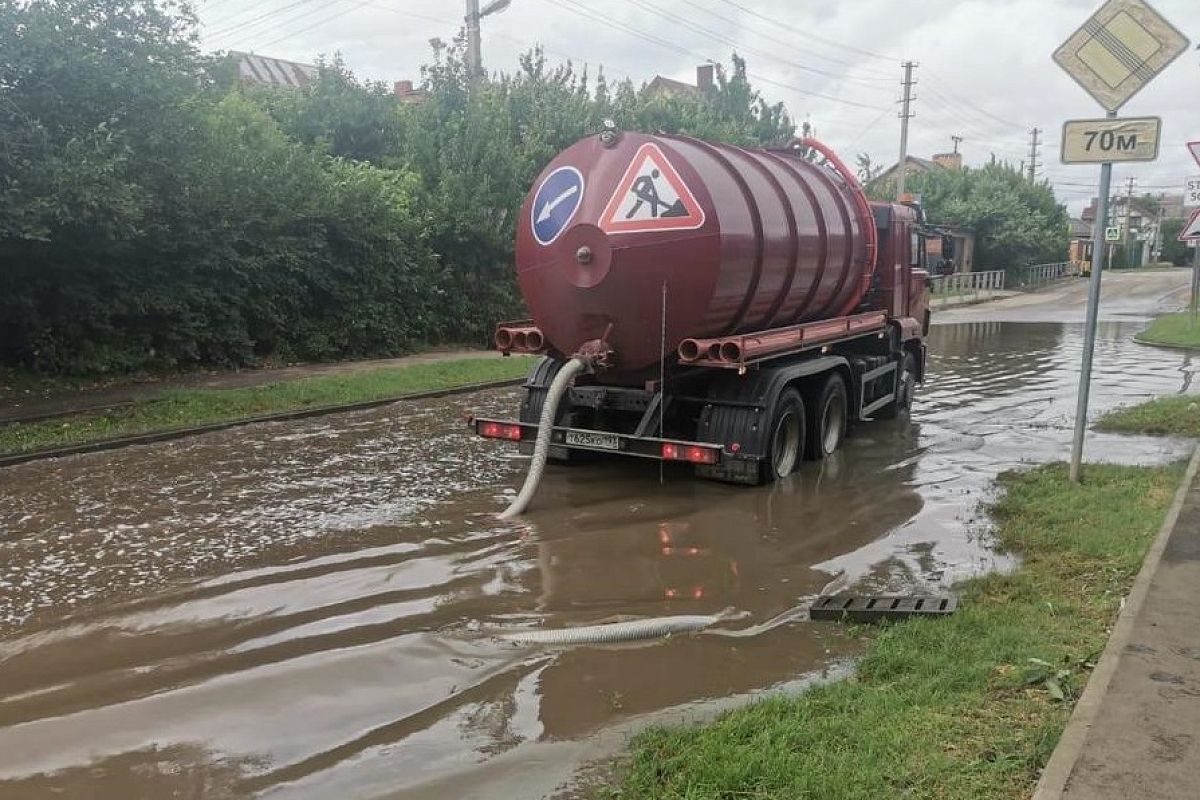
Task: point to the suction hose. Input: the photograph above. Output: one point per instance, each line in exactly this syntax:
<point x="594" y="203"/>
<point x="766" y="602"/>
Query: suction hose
<point x="541" y="447"/>
<point x="620" y="631"/>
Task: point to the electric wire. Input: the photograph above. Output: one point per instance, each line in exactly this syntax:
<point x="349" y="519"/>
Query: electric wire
<point x="808" y="34"/>
<point x="578" y="8"/>
<point x="726" y="40"/>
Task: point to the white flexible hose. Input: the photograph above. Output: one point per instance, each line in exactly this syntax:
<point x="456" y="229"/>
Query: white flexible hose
<point x="541" y="447"/>
<point x="621" y="631"/>
<point x="615" y="631"/>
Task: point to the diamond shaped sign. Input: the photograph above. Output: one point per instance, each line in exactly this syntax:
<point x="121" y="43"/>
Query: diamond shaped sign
<point x="1119" y="50"/>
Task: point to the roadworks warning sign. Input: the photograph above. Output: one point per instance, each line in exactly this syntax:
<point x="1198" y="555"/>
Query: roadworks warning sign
<point x="651" y="196"/>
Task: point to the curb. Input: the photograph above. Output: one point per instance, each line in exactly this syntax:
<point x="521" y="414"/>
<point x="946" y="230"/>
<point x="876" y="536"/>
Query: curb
<point x="1183" y="348"/>
<point x="179" y="433"/>
<point x="1062" y="761"/>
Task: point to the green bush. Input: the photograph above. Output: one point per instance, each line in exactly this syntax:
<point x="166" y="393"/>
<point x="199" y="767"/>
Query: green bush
<point x="153" y="213"/>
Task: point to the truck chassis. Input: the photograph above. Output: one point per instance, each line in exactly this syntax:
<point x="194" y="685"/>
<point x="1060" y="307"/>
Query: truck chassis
<point x="748" y="425"/>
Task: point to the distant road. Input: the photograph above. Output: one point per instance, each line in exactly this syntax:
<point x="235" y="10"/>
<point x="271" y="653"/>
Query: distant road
<point x="1124" y="295"/>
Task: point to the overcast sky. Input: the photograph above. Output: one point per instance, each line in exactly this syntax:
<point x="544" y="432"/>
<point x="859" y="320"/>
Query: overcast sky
<point x="985" y="71"/>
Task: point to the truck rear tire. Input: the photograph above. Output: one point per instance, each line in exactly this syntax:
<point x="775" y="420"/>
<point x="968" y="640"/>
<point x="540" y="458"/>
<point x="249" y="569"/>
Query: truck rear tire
<point x="907" y="388"/>
<point x="785" y="446"/>
<point x="827" y="418"/>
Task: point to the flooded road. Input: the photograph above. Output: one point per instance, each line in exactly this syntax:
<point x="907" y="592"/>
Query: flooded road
<point x="302" y="609"/>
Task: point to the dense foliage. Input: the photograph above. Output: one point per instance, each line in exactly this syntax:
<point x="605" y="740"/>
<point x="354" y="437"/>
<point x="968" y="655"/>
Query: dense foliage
<point x="1016" y="222"/>
<point x="155" y="213"/>
<point x="1173" y="250"/>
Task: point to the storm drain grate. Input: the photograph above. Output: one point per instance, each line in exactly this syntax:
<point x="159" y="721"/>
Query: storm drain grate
<point x="855" y="608"/>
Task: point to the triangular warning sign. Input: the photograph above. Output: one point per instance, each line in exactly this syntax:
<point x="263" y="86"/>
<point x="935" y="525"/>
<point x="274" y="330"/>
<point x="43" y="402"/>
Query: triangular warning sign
<point x="1192" y="229"/>
<point x="1194" y="149"/>
<point x="651" y="197"/>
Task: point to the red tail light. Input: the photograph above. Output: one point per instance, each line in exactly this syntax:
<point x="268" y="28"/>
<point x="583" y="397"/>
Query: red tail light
<point x="498" y="430"/>
<point x="692" y="453"/>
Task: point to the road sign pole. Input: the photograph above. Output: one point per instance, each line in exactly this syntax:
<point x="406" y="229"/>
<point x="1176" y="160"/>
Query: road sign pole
<point x="1195" y="302"/>
<point x="1099" y="257"/>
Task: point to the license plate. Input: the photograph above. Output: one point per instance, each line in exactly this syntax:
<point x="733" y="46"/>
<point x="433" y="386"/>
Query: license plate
<point x="598" y="441"/>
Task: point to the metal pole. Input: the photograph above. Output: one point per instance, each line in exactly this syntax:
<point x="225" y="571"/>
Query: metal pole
<point x="904" y="117"/>
<point x="1194" y="305"/>
<point x="474" y="56"/>
<point x="1099" y="253"/>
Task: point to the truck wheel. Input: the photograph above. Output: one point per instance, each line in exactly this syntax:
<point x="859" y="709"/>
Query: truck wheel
<point x="827" y="419"/>
<point x="786" y="443"/>
<point x="907" y="388"/>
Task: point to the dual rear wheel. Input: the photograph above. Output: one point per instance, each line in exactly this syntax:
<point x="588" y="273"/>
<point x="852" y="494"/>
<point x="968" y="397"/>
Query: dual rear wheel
<point x="810" y="428"/>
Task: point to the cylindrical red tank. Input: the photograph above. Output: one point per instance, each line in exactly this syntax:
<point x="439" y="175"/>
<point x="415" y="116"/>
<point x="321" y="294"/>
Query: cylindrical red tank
<point x="742" y="240"/>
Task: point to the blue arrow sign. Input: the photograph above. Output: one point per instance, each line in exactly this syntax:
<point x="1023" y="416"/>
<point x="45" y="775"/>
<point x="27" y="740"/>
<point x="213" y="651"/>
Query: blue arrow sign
<point x="555" y="203"/>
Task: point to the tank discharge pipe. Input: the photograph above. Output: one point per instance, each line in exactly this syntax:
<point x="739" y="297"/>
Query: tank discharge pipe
<point x="541" y="447"/>
<point x="621" y="631"/>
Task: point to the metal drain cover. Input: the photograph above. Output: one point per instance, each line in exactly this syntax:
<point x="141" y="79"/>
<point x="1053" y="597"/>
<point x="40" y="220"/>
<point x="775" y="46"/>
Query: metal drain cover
<point x="872" y="608"/>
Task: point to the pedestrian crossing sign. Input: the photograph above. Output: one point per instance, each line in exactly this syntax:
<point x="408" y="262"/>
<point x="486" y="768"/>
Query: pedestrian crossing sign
<point x="651" y="196"/>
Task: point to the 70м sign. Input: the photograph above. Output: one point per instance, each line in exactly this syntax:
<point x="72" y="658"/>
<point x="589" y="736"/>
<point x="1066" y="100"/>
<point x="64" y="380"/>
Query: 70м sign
<point x="1095" y="141"/>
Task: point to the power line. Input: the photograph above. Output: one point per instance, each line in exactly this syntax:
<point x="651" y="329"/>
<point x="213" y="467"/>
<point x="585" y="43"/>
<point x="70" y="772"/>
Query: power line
<point x="578" y="8"/>
<point x="227" y="29"/>
<point x="807" y="34"/>
<point x="723" y="39"/>
<point x="245" y="35"/>
<point x="357" y="6"/>
<point x="791" y="45"/>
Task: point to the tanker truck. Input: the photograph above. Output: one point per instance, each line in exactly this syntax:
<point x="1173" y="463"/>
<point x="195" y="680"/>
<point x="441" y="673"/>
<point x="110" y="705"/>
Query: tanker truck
<point x="736" y="309"/>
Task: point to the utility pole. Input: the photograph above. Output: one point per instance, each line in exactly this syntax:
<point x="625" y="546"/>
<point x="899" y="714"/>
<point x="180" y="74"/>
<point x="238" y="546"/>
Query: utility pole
<point x="957" y="140"/>
<point x="905" y="115"/>
<point x="1033" y="153"/>
<point x="1128" y="215"/>
<point x="472" y="18"/>
<point x="474" y="50"/>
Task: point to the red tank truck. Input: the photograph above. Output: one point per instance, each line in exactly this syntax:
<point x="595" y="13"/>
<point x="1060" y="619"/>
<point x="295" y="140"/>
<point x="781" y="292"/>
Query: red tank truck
<point x="743" y="307"/>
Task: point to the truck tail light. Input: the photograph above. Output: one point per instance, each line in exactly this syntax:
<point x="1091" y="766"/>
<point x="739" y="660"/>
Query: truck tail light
<point x="498" y="430"/>
<point x="692" y="453"/>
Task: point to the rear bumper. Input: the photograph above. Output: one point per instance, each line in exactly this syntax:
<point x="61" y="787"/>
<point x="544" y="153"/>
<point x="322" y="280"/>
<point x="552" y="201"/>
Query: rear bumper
<point x="723" y="466"/>
<point x="624" y="444"/>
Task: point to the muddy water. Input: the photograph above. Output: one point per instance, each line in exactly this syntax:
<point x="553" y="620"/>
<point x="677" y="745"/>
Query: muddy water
<point x="302" y="609"/>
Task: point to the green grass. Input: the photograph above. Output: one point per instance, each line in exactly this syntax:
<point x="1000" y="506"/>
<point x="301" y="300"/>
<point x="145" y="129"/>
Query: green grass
<point x="1172" y="330"/>
<point x="183" y="408"/>
<point x="1177" y="415"/>
<point x="949" y="709"/>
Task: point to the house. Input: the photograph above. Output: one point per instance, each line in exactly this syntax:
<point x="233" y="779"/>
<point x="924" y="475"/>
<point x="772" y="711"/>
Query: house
<point x="405" y="92"/>
<point x="912" y="166"/>
<point x="667" y="87"/>
<point x="257" y="70"/>
<point x="1080" y="250"/>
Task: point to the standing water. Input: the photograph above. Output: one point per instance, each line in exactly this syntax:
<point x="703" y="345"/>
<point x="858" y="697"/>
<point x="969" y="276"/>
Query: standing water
<point x="302" y="609"/>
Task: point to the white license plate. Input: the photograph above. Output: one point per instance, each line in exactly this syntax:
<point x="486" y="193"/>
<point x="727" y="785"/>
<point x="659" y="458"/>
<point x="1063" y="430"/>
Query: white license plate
<point x="599" y="441"/>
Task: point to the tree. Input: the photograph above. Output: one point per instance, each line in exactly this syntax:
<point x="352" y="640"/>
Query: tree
<point x="1174" y="250"/>
<point x="155" y="213"/>
<point x="1016" y="223"/>
<point x="868" y="170"/>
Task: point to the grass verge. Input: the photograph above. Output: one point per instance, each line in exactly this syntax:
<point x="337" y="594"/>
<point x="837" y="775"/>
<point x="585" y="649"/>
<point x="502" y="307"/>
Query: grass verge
<point x="184" y="408"/>
<point x="966" y="707"/>
<point x="1172" y="330"/>
<point x="1176" y="415"/>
